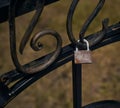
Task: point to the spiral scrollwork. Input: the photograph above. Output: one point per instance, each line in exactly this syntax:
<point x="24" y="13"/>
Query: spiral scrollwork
<point x="35" y="46"/>
<point x="32" y="25"/>
<point x="85" y="26"/>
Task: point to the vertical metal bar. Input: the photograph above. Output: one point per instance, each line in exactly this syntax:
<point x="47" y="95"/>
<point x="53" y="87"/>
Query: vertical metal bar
<point x="77" y="85"/>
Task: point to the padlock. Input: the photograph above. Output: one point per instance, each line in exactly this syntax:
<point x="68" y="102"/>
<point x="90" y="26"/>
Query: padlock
<point x="83" y="56"/>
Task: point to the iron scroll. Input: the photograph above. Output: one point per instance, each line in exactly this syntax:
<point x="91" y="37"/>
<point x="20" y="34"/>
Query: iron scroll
<point x="49" y="60"/>
<point x="96" y="39"/>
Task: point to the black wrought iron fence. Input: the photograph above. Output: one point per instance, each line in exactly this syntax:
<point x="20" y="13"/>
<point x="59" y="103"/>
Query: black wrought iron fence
<point x="24" y="76"/>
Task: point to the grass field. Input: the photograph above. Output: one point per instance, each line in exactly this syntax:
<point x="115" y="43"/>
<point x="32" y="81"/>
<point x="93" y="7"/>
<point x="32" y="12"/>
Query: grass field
<point x="100" y="80"/>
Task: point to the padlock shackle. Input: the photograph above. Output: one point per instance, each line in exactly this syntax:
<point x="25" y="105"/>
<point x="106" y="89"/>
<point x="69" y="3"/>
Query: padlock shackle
<point x="87" y="43"/>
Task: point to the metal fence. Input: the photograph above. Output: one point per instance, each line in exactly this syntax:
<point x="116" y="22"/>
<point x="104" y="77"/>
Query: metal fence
<point x="24" y="76"/>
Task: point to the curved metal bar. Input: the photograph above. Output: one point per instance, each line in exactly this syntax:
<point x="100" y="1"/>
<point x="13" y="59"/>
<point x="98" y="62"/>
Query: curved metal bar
<point x="89" y="20"/>
<point x="69" y="21"/>
<point x="103" y="104"/>
<point x="31" y="26"/>
<point x="30" y="69"/>
<point x="112" y="35"/>
<point x="28" y="80"/>
<point x="99" y="36"/>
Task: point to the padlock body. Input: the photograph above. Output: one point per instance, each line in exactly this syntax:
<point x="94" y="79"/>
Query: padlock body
<point x="82" y="56"/>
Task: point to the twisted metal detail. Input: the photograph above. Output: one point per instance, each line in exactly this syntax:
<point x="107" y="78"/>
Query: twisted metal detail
<point x="97" y="38"/>
<point x="47" y="60"/>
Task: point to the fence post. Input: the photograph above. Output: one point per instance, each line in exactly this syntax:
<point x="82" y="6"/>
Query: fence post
<point x="77" y="84"/>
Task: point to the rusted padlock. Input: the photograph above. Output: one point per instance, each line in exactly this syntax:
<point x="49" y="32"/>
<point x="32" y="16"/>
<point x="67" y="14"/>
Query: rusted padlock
<point x="83" y="56"/>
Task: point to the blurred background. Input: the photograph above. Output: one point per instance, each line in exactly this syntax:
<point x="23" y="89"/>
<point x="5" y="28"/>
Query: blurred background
<point x="100" y="80"/>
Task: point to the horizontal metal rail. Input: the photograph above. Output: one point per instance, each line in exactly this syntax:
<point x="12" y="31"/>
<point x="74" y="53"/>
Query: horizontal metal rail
<point x="22" y="7"/>
<point x="25" y="80"/>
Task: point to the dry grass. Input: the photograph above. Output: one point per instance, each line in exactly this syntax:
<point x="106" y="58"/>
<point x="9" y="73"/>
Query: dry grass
<point x="100" y="80"/>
